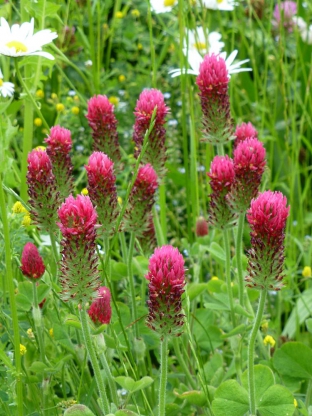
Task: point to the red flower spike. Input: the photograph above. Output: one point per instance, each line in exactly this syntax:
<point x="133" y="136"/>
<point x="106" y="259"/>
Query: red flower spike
<point x="32" y="263"/>
<point x="155" y="153"/>
<point x="201" y="227"/>
<point x="43" y="190"/>
<point x="267" y="218"/>
<point x="103" y="122"/>
<point x="213" y="82"/>
<point x="244" y="131"/>
<point x="102" y="189"/>
<point x="59" y="144"/>
<point x="166" y="275"/>
<point x="79" y="273"/>
<point x="100" y="310"/>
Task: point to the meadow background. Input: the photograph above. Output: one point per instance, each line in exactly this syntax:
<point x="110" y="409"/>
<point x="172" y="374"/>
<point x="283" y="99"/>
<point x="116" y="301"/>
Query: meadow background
<point x="118" y="48"/>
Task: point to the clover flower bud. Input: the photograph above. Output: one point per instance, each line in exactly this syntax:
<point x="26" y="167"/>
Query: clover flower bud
<point x="244" y="131"/>
<point x="100" y="310"/>
<point x="32" y="265"/>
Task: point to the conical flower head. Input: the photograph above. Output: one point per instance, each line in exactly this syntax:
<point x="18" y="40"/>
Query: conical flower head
<point x="213" y="82"/>
<point x="222" y="178"/>
<point x="267" y="218"/>
<point x="201" y="227"/>
<point x="249" y="165"/>
<point x="244" y="131"/>
<point x="32" y="265"/>
<point x="141" y="200"/>
<point x="79" y="273"/>
<point x="102" y="189"/>
<point x="100" y="310"/>
<point x="103" y="122"/>
<point x="43" y="190"/>
<point x="155" y="153"/>
<point x="59" y="144"/>
<point x="166" y="275"/>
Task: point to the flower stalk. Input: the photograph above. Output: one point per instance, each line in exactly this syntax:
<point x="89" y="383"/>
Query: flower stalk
<point x="163" y="376"/>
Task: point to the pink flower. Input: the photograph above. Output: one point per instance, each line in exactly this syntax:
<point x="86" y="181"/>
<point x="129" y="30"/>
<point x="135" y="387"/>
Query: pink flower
<point x="103" y="122"/>
<point x="201" y="227"/>
<point x="43" y="191"/>
<point x="79" y="273"/>
<point x="221" y="173"/>
<point x="155" y="153"/>
<point x="244" y="131"/>
<point x="100" y="310"/>
<point x="166" y="275"/>
<point x="59" y="144"/>
<point x="32" y="263"/>
<point x="102" y="189"/>
<point x="213" y="82"/>
<point x="283" y="14"/>
<point x="267" y="218"/>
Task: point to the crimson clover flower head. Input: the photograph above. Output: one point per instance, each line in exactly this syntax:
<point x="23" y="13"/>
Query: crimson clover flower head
<point x="166" y="275"/>
<point x="221" y="173"/>
<point x="32" y="265"/>
<point x="59" y="140"/>
<point x="39" y="165"/>
<point x="201" y="227"/>
<point x="100" y="110"/>
<point x="147" y="179"/>
<point x="213" y="74"/>
<point x="77" y="215"/>
<point x="249" y="155"/>
<point x="244" y="131"/>
<point x="287" y="9"/>
<point x="99" y="166"/>
<point x="100" y="310"/>
<point x="148" y="100"/>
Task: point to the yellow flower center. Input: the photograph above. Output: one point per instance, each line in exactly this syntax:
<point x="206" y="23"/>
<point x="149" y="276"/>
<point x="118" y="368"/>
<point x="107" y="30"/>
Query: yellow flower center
<point x="168" y="3"/>
<point x="19" y="46"/>
<point x="200" y="46"/>
<point x="219" y="1"/>
<point x="1" y="82"/>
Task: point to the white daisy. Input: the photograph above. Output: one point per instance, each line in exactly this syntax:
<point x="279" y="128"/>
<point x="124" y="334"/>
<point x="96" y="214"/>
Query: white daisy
<point x="162" y="6"/>
<point x="203" y="42"/>
<point x="195" y="59"/>
<point x="304" y="30"/>
<point x="219" y="4"/>
<point x="6" y="88"/>
<point x="20" y="40"/>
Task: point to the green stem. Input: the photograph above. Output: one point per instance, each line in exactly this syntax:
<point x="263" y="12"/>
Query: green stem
<point x="110" y="380"/>
<point x="27" y="144"/>
<point x="92" y="45"/>
<point x="163" y="376"/>
<point x="94" y="361"/>
<point x="183" y="364"/>
<point x="308" y="399"/>
<point x="228" y="274"/>
<point x="163" y="209"/>
<point x="56" y="257"/>
<point x="153" y="61"/>
<point x="131" y="283"/>
<point x="239" y="238"/>
<point x="38" y="322"/>
<point x="9" y="279"/>
<point x="251" y="351"/>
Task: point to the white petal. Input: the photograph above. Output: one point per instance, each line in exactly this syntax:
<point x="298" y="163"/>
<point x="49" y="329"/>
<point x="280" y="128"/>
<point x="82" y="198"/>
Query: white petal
<point x="231" y="57"/>
<point x="42" y="53"/>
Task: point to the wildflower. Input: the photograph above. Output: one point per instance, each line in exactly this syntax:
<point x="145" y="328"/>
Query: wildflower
<point x="26" y="220"/>
<point x="100" y="310"/>
<point x="42" y="189"/>
<point x="295" y="403"/>
<point x="162" y="6"/>
<point x="121" y="78"/>
<point x="213" y="82"/>
<point x="6" y="88"/>
<point x="135" y="13"/>
<point x="249" y="165"/>
<point x="140" y="46"/>
<point x="268" y="340"/>
<point x="119" y="199"/>
<point x="18" y="208"/>
<point x="23" y="349"/>
<point x="30" y="333"/>
<point x="119" y="15"/>
<point x="283" y="14"/>
<point x="141" y="200"/>
<point x="40" y="94"/>
<point x="84" y="191"/>
<point x="31" y="262"/>
<point x="102" y="189"/>
<point x="38" y="122"/>
<point x="201" y="227"/>
<point x="227" y="5"/>
<point x="203" y="41"/>
<point x="166" y="277"/>
<point x="221" y="176"/>
<point x="54" y="96"/>
<point x="244" y="131"/>
<point x="20" y="40"/>
<point x="114" y="100"/>
<point x="75" y="110"/>
<point x="267" y="218"/>
<point x="79" y="274"/>
<point x="88" y="63"/>
<point x="304" y="30"/>
<point x="214" y="278"/>
<point x="103" y="122"/>
<point x="59" y="144"/>
<point x="306" y="272"/>
<point x="155" y="153"/>
<point x="60" y="107"/>
<point x="51" y="332"/>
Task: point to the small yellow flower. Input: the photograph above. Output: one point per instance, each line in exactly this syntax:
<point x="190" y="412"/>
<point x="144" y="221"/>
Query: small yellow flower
<point x="140" y="46"/>
<point x="113" y="100"/>
<point x="30" y="333"/>
<point x="119" y="199"/>
<point x="38" y="122"/>
<point x="295" y="403"/>
<point x="18" y="207"/>
<point x="121" y="78"/>
<point x="60" y="107"/>
<point x="51" y="332"/>
<point x="135" y="13"/>
<point x="265" y="326"/>
<point x="307" y="272"/>
<point x="214" y="278"/>
<point x="268" y="340"/>
<point x="75" y="110"/>
<point x="39" y="94"/>
<point x="76" y="98"/>
<point x="69" y="99"/>
<point x="53" y="96"/>
<point x="23" y="349"/>
<point x="40" y="148"/>
<point x="84" y="191"/>
<point x="26" y="220"/>
<point x="119" y="15"/>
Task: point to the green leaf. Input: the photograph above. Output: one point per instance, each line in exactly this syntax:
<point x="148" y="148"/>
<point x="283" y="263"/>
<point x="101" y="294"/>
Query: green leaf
<point x="230" y="399"/>
<point x="119" y="271"/>
<point x="125" y="412"/>
<point x="217" y="251"/>
<point x="308" y="323"/>
<point x="38" y="367"/>
<point x="264" y="379"/>
<point x="300" y="312"/>
<point x="131" y="385"/>
<point x="277" y="401"/>
<point x="22" y="302"/>
<point x="195" y="289"/>
<point x="195" y="397"/>
<point x="43" y="291"/>
<point x="142" y="384"/>
<point x="294" y="359"/>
